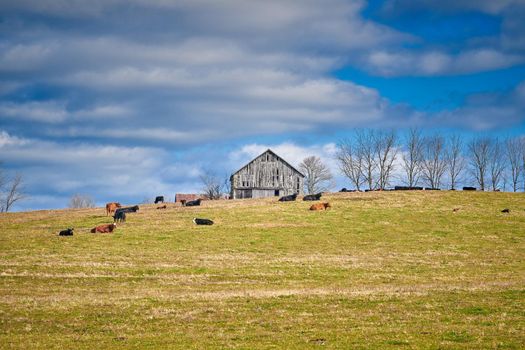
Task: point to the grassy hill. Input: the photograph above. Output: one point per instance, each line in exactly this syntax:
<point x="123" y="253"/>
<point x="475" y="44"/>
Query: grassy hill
<point x="380" y="270"/>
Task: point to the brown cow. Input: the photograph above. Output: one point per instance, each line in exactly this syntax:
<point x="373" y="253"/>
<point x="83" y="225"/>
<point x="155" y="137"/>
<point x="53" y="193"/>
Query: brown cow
<point x="106" y="228"/>
<point x="111" y="207"/>
<point x="162" y="207"/>
<point x="320" y="206"/>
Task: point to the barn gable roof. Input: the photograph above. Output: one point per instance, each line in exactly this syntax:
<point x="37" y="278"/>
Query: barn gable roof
<point x="272" y="152"/>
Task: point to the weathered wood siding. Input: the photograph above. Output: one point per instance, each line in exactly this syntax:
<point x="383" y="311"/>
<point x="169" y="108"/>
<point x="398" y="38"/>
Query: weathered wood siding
<point x="266" y="176"/>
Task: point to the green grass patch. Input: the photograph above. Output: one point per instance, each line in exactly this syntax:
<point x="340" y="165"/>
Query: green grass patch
<point x="378" y="271"/>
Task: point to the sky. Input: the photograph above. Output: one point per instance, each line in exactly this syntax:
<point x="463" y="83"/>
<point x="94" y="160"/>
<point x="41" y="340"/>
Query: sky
<point x="123" y="100"/>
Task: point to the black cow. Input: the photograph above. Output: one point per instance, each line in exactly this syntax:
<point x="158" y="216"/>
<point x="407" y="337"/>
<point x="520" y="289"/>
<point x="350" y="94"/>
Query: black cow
<point x="68" y="232"/>
<point x="120" y="216"/>
<point x="159" y="199"/>
<point x="198" y="221"/>
<point x="467" y="188"/>
<point x="194" y="203"/>
<point x="289" y="198"/>
<point x="506" y="210"/>
<point x="132" y="209"/>
<point x="312" y="197"/>
<point x="408" y="188"/>
<point x="344" y="189"/>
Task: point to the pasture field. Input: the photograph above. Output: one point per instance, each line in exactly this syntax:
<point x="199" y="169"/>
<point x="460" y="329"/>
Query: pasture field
<point x="380" y="270"/>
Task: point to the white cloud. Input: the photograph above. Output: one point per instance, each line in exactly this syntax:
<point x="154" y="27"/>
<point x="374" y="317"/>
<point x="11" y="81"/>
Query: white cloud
<point x="48" y="112"/>
<point x="7" y="140"/>
<point x="432" y="63"/>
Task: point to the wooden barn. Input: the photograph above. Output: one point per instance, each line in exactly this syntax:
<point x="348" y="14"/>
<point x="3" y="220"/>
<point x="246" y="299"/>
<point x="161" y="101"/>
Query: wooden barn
<point x="268" y="175"/>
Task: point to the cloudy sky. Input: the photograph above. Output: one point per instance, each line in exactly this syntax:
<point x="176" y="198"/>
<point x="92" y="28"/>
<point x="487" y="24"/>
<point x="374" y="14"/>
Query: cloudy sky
<point x="127" y="99"/>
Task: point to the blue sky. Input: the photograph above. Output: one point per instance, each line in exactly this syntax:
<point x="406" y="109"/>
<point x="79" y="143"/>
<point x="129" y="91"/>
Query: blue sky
<point x="125" y="100"/>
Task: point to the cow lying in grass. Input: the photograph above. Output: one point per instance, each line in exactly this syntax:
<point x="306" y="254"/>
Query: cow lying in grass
<point x="194" y="203"/>
<point x="68" y="232"/>
<point x="111" y="207"/>
<point x="106" y="228"/>
<point x="198" y="221"/>
<point x="162" y="207"/>
<point x="320" y="206"/>
<point x="289" y="198"/>
<point x="312" y="197"/>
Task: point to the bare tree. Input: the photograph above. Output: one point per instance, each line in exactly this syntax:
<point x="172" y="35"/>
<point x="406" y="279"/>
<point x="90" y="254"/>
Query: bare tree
<point x="80" y="201"/>
<point x="385" y="149"/>
<point x="350" y="161"/>
<point x="365" y="140"/>
<point x="212" y="185"/>
<point x="496" y="163"/>
<point x="514" y="155"/>
<point x="523" y="161"/>
<point x="318" y="177"/>
<point x="412" y="157"/>
<point x="227" y="185"/>
<point x="434" y="163"/>
<point x="479" y="149"/>
<point x="454" y="160"/>
<point x="12" y="192"/>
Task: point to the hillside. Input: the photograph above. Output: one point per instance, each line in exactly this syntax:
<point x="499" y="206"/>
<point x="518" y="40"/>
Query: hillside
<point x="379" y="270"/>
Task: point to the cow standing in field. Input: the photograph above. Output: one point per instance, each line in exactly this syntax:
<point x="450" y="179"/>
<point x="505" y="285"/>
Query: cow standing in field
<point x="120" y="213"/>
<point x="132" y="209"/>
<point x="120" y="216"/>
<point x="320" y="206"/>
<point x="159" y="199"/>
<point x="106" y="228"/>
<point x="289" y="198"/>
<point x="312" y="197"/>
<point x="111" y="207"/>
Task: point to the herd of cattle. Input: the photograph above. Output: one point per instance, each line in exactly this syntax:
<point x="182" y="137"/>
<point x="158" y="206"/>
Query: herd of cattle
<point x="119" y="213"/>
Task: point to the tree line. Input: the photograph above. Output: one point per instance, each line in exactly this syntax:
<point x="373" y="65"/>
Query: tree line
<point x="374" y="159"/>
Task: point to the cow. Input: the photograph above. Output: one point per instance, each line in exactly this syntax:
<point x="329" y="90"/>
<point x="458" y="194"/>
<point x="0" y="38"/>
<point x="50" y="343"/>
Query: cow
<point x="467" y="188"/>
<point x="111" y="207"/>
<point x="455" y="210"/>
<point x="159" y="199"/>
<point x="162" y="207"/>
<point x="68" y="232"/>
<point x="198" y="221"/>
<point x="194" y="203"/>
<point x="506" y="210"/>
<point x="320" y="206"/>
<point x="312" y="197"/>
<point x="105" y="228"/>
<point x="408" y="188"/>
<point x="132" y="209"/>
<point x="120" y="216"/>
<point x="289" y="198"/>
<point x="183" y="202"/>
<point x="344" y="189"/>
